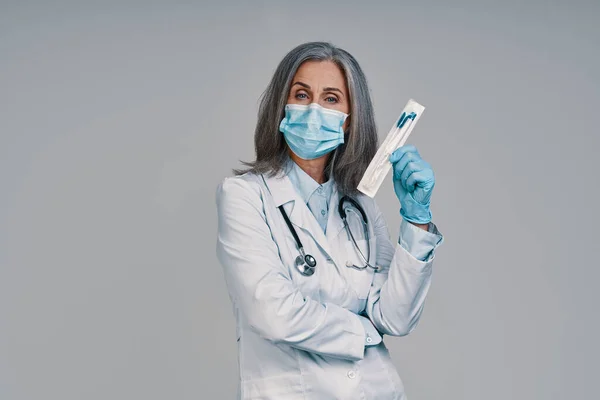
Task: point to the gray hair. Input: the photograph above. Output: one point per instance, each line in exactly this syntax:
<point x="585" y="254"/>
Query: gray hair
<point x="350" y="160"/>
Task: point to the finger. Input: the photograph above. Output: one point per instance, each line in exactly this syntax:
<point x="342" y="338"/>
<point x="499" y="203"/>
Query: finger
<point x="423" y="178"/>
<point x="406" y="158"/>
<point x="411" y="168"/>
<point x="400" y="151"/>
<point x="398" y="169"/>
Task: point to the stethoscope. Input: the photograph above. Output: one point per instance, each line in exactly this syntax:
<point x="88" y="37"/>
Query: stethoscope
<point x="306" y="263"/>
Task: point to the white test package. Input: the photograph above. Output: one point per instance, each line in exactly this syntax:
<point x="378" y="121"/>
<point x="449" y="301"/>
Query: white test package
<point x="380" y="164"/>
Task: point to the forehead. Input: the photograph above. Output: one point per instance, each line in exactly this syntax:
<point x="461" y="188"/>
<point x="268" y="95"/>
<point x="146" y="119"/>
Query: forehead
<point x="321" y="73"/>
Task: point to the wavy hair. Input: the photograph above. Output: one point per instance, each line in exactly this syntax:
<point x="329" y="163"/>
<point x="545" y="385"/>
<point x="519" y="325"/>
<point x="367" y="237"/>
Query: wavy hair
<point x="349" y="160"/>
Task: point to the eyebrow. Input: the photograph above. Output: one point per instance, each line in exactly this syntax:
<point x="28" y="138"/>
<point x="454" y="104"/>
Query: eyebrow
<point x="301" y="84"/>
<point x="326" y="89"/>
<point x="332" y="89"/>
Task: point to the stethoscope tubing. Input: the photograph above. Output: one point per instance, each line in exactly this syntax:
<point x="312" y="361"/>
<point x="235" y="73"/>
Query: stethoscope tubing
<point x="306" y="263"/>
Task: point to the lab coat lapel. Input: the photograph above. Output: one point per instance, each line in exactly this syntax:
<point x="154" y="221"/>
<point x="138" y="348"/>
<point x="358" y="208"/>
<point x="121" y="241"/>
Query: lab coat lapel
<point x="283" y="191"/>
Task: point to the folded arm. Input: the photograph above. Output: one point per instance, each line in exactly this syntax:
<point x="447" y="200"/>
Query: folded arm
<point x="262" y="289"/>
<point x="399" y="288"/>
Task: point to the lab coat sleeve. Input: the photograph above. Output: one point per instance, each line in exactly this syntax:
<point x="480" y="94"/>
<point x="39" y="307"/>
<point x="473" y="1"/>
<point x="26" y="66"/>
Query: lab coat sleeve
<point x="419" y="242"/>
<point x="397" y="295"/>
<point x="260" y="286"/>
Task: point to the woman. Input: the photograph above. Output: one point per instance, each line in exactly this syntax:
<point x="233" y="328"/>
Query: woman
<point x="311" y="295"/>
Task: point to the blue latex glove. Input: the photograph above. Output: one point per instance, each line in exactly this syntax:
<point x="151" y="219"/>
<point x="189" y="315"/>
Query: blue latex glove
<point x="413" y="184"/>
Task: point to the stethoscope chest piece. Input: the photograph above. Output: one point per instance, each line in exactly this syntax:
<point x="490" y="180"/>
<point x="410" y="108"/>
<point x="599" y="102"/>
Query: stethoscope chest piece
<point x="306" y="265"/>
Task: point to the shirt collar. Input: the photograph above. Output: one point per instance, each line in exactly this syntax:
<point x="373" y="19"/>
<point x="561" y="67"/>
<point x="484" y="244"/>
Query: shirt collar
<point x="304" y="184"/>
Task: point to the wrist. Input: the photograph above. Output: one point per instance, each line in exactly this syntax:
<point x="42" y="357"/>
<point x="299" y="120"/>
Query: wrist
<point x="417" y="216"/>
<point x="425" y="227"/>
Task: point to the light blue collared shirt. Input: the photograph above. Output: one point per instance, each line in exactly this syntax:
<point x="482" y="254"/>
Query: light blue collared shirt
<point x="315" y="195"/>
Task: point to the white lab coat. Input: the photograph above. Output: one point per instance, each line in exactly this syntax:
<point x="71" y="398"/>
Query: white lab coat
<point x="300" y="337"/>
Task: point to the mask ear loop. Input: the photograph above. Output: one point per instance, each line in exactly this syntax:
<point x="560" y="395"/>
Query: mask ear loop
<point x="331" y="163"/>
<point x="347" y="131"/>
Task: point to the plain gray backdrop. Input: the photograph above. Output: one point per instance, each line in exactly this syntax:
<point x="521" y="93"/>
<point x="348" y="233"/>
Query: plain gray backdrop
<point x="119" y="119"/>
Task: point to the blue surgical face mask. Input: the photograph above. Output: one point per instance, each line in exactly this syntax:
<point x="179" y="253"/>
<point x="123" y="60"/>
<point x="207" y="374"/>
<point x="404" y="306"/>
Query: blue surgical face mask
<point x="312" y="131"/>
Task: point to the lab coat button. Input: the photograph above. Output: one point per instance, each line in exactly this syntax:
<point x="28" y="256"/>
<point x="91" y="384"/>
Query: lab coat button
<point x="351" y="374"/>
<point x="369" y="340"/>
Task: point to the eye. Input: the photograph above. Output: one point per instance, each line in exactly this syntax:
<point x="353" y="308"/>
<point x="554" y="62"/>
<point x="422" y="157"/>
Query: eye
<point x="331" y="99"/>
<point x="301" y="96"/>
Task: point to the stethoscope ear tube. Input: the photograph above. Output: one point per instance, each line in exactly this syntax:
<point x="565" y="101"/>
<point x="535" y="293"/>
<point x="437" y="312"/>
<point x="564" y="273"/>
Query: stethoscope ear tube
<point x="342" y="212"/>
<point x="365" y="259"/>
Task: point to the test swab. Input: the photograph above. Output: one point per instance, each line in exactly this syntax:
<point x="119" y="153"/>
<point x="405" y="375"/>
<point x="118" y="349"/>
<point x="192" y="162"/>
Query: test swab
<point x="397" y="136"/>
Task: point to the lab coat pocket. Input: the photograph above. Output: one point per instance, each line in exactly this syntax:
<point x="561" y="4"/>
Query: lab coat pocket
<point x="286" y="386"/>
<point x="359" y="279"/>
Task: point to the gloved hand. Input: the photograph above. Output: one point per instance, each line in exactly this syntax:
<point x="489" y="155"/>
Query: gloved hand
<point x="413" y="184"/>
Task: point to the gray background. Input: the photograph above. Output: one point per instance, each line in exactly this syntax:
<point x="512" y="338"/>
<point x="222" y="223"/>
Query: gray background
<point x="118" y="120"/>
